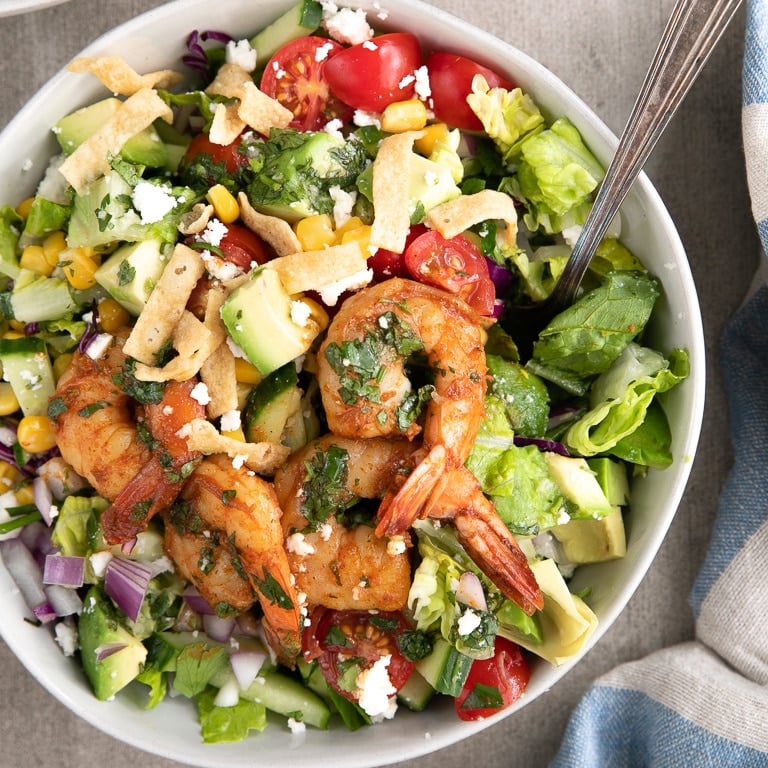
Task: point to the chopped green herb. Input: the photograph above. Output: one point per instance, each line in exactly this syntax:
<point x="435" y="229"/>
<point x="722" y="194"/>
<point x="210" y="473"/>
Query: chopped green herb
<point x="126" y="273"/>
<point x="270" y="588"/>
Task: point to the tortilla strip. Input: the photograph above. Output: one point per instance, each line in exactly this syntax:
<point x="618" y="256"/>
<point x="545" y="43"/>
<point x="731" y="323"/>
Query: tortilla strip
<point x="119" y="77"/>
<point x="226" y="125"/>
<point x="263" y="458"/>
<point x="218" y="375"/>
<point x="309" y="270"/>
<point x="276" y="231"/>
<point x="91" y="159"/>
<point x="391" y="194"/>
<point x="256" y="109"/>
<point x="165" y="306"/>
<point x="461" y="213"/>
<point x="195" y="221"/>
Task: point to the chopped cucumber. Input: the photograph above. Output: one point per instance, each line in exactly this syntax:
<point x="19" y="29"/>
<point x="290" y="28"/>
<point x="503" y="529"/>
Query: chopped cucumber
<point x="445" y="669"/>
<point x="271" y="405"/>
<point x="416" y="693"/>
<point x="27" y="367"/>
<point x="303" y="19"/>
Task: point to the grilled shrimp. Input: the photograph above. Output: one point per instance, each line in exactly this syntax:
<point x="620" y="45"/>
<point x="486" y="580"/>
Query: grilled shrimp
<point x="339" y="567"/>
<point x="365" y="389"/>
<point x="137" y="464"/>
<point x="243" y="508"/>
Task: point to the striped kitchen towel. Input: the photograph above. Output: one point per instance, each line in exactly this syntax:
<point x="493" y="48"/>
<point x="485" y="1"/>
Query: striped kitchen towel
<point x="705" y="703"/>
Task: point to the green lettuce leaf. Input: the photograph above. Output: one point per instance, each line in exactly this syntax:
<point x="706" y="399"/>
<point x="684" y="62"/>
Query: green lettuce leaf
<point x="228" y="724"/>
<point x="523" y="394"/>
<point x="11" y="225"/>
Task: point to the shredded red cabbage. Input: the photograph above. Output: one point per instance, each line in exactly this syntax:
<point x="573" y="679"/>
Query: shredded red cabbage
<point x="91" y="330"/>
<point x="196" y="59"/>
<point x="542" y="444"/>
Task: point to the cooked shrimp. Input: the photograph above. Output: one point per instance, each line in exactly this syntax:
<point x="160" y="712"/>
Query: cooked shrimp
<point x="208" y="561"/>
<point x="138" y="469"/>
<point x="365" y="389"/>
<point x="243" y="508"/>
<point x="335" y="566"/>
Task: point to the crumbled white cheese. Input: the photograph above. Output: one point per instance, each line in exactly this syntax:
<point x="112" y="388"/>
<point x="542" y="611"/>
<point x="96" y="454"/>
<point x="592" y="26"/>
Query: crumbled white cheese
<point x="333" y="128"/>
<point x="296" y="726"/>
<point x="348" y="26"/>
<point x="422" y="87"/>
<point x="322" y="51"/>
<point x="343" y="202"/>
<point x="66" y="637"/>
<point x="300" y="313"/>
<point x="200" y="393"/>
<point x="239" y="461"/>
<point x="468" y="622"/>
<point x="99" y="562"/>
<point x="152" y="201"/>
<point x="297" y="544"/>
<point x="184" y="431"/>
<point x="330" y="292"/>
<point x="361" y="118"/>
<point x="376" y="692"/>
<point x="235" y="349"/>
<point x="230" y="421"/>
<point x="99" y="346"/>
<point x="407" y="80"/>
<point x="241" y="53"/>
<point x="395" y="545"/>
<point x="325" y="531"/>
<point x="214" y="233"/>
<point x="370" y="45"/>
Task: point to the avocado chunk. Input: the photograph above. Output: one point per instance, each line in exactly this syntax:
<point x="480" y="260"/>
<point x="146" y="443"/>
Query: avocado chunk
<point x="145" y="148"/>
<point x="579" y="486"/>
<point x="612" y="477"/>
<point x="131" y="272"/>
<point x="100" y="632"/>
<point x="260" y="317"/>
<point x="592" y="540"/>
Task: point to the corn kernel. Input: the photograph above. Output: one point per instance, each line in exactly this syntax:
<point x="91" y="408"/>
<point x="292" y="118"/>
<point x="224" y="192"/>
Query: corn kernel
<point x="35" y="434"/>
<point x="246" y="372"/>
<point x="112" y="315"/>
<point x="361" y="235"/>
<point x="353" y="222"/>
<point x="12" y="333"/>
<point x="425" y="145"/>
<point x="236" y="434"/>
<point x="61" y="363"/>
<point x="8" y="402"/>
<point x="9" y="476"/>
<point x="33" y="258"/>
<point x="316" y="312"/>
<point x="79" y="267"/>
<point x="24" y="494"/>
<point x="24" y="207"/>
<point x="53" y="245"/>
<point x="400" y="116"/>
<point x="224" y="204"/>
<point x="315" y="232"/>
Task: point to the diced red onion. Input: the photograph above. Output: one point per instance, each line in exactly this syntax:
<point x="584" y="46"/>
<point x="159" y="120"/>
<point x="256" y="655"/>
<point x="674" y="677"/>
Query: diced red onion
<point x="246" y="665"/>
<point x="218" y="628"/>
<point x="45" y="613"/>
<point x="470" y="592"/>
<point x="105" y="650"/>
<point x="228" y="695"/>
<point x="498" y="308"/>
<point x="502" y="278"/>
<point x="127" y="546"/>
<point x="126" y="581"/>
<point x="197" y="602"/>
<point x="26" y="573"/>
<point x="43" y="499"/>
<point x="65" y="601"/>
<point x="64" y="570"/>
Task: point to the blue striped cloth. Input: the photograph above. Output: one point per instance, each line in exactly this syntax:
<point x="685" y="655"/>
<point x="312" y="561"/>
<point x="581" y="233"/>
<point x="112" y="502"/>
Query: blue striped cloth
<point x="705" y="703"/>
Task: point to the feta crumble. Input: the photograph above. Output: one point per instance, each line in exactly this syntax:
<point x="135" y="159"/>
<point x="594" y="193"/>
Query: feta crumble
<point x="348" y="26"/>
<point x="152" y="201"/>
<point x="376" y="692"/>
<point x="467" y="623"/>
<point x="241" y="53"/>
<point x="230" y="421"/>
<point x="297" y="544"/>
<point x="330" y="292"/>
<point x="200" y="393"/>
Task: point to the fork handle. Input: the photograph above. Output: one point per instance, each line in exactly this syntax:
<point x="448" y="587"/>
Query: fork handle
<point x="690" y="35"/>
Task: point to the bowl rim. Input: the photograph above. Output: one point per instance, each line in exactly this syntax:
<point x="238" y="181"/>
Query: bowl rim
<point x="602" y="141"/>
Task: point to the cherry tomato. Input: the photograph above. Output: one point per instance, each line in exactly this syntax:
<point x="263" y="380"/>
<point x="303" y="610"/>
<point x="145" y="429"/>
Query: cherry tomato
<point x="227" y="154"/>
<point x="455" y="265"/>
<point x="368" y="76"/>
<point x="336" y="638"/>
<point x="493" y="684"/>
<point x="450" y="79"/>
<point x="240" y="246"/>
<point x="386" y="264"/>
<point x="295" y="76"/>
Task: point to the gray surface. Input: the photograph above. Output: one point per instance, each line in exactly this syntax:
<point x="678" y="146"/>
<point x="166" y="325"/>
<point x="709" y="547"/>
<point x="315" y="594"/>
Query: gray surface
<point x="600" y="48"/>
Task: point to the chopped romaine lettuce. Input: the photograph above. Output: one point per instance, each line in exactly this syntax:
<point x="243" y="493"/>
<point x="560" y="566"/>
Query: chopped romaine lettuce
<point x="524" y="395"/>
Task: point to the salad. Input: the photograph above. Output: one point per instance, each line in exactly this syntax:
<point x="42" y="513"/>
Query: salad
<point x="268" y="441"/>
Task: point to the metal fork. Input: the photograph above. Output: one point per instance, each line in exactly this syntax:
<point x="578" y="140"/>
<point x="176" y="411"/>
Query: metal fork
<point x="690" y="35"/>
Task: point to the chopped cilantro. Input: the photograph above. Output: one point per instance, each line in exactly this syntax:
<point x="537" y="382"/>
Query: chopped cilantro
<point x="271" y="589"/>
<point x="145" y="392"/>
<point x="92" y="408"/>
<point x="126" y="273"/>
<point x="325" y="491"/>
<point x="414" y="644"/>
<point x="56" y="407"/>
<point x="483" y="697"/>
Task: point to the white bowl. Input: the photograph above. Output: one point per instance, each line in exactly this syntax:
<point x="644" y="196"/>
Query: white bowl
<point x="155" y="40"/>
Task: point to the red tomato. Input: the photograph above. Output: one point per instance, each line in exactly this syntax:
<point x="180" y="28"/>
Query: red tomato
<point x="219" y="153"/>
<point x="239" y="246"/>
<point x="358" y="637"/>
<point x="455" y="265"/>
<point x="496" y="682"/>
<point x="368" y="76"/>
<point x="450" y="79"/>
<point x="295" y="76"/>
<point x="386" y="264"/>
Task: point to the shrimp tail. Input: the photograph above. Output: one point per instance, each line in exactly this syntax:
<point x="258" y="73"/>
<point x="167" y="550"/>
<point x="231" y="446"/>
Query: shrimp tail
<point x="402" y="505"/>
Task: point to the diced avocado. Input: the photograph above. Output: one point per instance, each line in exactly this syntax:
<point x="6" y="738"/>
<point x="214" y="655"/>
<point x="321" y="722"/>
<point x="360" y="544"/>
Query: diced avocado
<point x="101" y="631"/>
<point x="271" y="405"/>
<point x="445" y="669"/>
<point x="430" y="183"/>
<point x="145" y="148"/>
<point x="302" y="19"/>
<point x="592" y="540"/>
<point x="131" y="272"/>
<point x="416" y="693"/>
<point x="578" y="485"/>
<point x="27" y="367"/>
<point x="612" y="477"/>
<point x="258" y="317"/>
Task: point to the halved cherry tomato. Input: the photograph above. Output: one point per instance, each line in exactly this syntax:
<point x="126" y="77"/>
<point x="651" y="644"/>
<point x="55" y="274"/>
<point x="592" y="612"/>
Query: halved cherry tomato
<point x="455" y="265"/>
<point x="295" y="76"/>
<point x="386" y="264"/>
<point x="241" y="247"/>
<point x="493" y="684"/>
<point x="370" y="75"/>
<point x="338" y="639"/>
<point x="450" y="79"/>
<point x="227" y="154"/>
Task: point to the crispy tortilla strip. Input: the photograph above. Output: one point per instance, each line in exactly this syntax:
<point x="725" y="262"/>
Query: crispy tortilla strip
<point x="457" y="215"/>
<point x="313" y="269"/>
<point x="91" y="159"/>
<point x="276" y="231"/>
<point x="218" y="374"/>
<point x="195" y="221"/>
<point x="263" y="458"/>
<point x="226" y="125"/>
<point x="165" y="306"/>
<point x="391" y="198"/>
<point x="120" y="77"/>
<point x="255" y="108"/>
